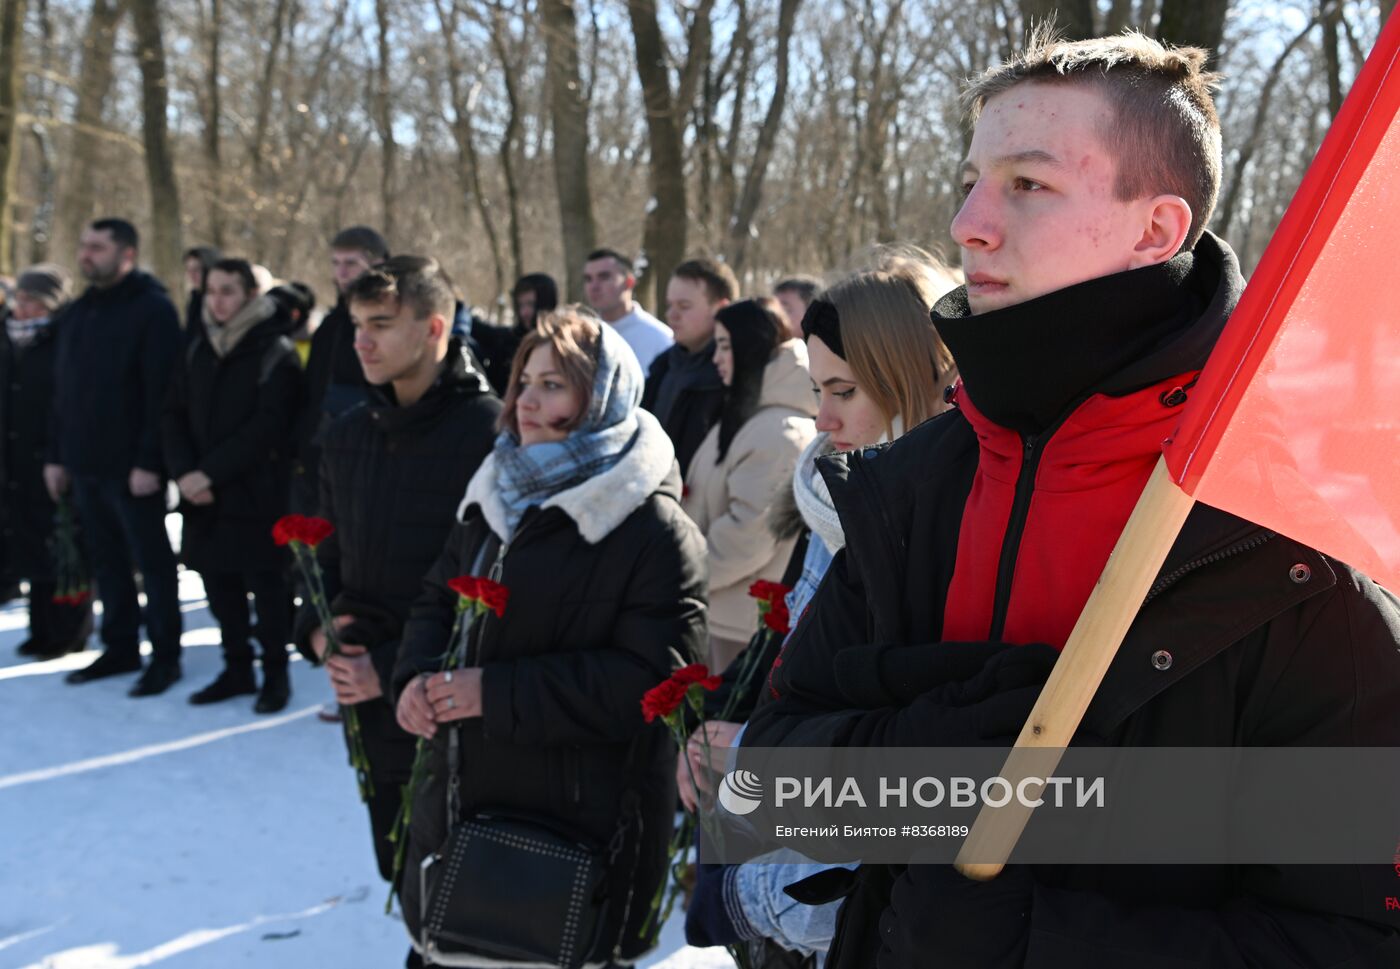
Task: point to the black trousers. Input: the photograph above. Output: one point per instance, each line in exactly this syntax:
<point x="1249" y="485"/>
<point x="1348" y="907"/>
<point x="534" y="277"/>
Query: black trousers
<point x="228" y="600"/>
<point x="122" y="532"/>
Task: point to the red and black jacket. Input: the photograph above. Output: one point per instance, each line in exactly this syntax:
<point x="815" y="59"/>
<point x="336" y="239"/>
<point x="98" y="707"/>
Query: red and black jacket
<point x="969" y="529"/>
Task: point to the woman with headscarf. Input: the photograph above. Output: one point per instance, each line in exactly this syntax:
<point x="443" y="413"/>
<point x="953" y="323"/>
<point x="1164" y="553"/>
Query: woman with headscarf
<point x="28" y="355"/>
<point x="539" y="727"/>
<point x="746" y="461"/>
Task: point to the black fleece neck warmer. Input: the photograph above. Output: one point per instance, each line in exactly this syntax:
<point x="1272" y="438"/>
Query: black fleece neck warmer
<point x="1027" y="366"/>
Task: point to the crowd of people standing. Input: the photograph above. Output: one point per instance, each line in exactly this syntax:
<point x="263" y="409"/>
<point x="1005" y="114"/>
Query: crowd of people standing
<point x="536" y="522"/>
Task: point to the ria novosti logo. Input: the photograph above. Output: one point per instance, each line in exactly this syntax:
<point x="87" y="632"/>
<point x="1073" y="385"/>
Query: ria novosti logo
<point x="741" y="792"/>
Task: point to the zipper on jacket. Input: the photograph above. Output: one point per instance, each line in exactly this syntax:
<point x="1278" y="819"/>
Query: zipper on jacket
<point x="1175" y="575"/>
<point x="1034" y="448"/>
<point x="494" y="574"/>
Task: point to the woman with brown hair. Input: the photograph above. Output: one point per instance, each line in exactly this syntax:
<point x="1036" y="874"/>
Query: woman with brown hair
<point x="879" y="368"/>
<point x="539" y="752"/>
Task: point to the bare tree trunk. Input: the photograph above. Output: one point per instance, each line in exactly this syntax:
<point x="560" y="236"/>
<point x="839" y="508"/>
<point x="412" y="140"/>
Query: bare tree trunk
<point x="1387" y="8"/>
<point x="1120" y="17"/>
<point x="1331" y="20"/>
<point x="11" y="29"/>
<point x="41" y="226"/>
<point x="1073" y="18"/>
<point x="468" y="161"/>
<point x="763" y="152"/>
<point x="164" y="250"/>
<point x="568" y="110"/>
<point x="94" y="82"/>
<point x="1226" y="213"/>
<point x="214" y="112"/>
<point x="1194" y="23"/>
<point x="510" y="139"/>
<point x="663" y="237"/>
<point x="257" y="150"/>
<point x="384" y="120"/>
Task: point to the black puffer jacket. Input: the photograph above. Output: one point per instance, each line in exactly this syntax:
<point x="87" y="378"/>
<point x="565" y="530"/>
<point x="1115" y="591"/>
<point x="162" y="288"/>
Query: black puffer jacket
<point x="116" y="355"/>
<point x="1260" y="657"/>
<point x="335" y="383"/>
<point x="589" y="627"/>
<point x="685" y="393"/>
<point x="233" y="418"/>
<point x="392" y="478"/>
<point x="26" y="401"/>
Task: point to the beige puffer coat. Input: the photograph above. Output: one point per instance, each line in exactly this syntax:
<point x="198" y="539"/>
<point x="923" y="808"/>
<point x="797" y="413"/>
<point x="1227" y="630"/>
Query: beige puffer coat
<point x="730" y="501"/>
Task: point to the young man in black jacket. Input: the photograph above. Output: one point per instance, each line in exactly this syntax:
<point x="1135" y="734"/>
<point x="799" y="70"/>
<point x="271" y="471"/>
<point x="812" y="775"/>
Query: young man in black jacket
<point x="1094" y="297"/>
<point x="334" y="381"/>
<point x="683" y="389"/>
<point x="393" y="471"/>
<point x="233" y="405"/>
<point x="115" y="359"/>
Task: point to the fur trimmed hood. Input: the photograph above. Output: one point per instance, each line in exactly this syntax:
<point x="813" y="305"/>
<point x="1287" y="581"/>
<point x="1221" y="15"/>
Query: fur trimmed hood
<point x="598" y="505"/>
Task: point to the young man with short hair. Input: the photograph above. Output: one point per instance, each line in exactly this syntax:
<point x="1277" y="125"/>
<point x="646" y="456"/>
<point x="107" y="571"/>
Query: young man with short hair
<point x="794" y="294"/>
<point x="1094" y="298"/>
<point x="608" y="281"/>
<point x="334" y="380"/>
<point x="393" y="472"/>
<point x="115" y="357"/>
<point x="683" y="388"/>
<point x="229" y="441"/>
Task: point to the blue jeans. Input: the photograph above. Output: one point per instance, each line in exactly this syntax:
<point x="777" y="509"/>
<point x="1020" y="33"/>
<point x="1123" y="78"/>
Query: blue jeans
<point x="758" y="892"/>
<point x="126" y="533"/>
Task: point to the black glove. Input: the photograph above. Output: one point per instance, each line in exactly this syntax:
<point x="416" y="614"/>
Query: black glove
<point x="953" y="694"/>
<point x="936" y="917"/>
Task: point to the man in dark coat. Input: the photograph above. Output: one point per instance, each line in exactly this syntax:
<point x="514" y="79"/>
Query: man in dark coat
<point x="60" y="610"/>
<point x="228" y="433"/>
<point x="533" y="294"/>
<point x="334" y="381"/>
<point x="683" y="387"/>
<point x="393" y="472"/>
<point x="1094" y="298"/>
<point x="198" y="261"/>
<point x="115" y="358"/>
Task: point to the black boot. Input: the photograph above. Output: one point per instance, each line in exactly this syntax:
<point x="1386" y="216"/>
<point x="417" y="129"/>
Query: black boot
<point x="160" y="676"/>
<point x="233" y="681"/>
<point x="276" y="690"/>
<point x="31" y="647"/>
<point x="108" y="664"/>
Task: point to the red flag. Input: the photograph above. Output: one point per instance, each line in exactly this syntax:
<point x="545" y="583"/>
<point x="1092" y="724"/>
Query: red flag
<point x="1295" y="422"/>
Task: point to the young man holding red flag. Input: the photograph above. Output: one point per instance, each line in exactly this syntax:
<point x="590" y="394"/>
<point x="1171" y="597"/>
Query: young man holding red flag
<point x="1094" y="298"/>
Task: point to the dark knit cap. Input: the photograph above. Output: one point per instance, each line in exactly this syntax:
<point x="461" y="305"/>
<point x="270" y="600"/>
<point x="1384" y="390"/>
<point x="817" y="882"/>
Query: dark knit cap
<point x="46" y="282"/>
<point x="821" y="319"/>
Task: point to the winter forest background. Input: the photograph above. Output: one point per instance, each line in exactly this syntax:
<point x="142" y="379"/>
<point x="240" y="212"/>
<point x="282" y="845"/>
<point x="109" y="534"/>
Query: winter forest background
<point x="509" y="136"/>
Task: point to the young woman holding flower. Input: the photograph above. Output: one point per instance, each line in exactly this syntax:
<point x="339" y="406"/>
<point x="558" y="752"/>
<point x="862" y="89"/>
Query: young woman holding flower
<point x="878" y="367"/>
<point x="577" y="514"/>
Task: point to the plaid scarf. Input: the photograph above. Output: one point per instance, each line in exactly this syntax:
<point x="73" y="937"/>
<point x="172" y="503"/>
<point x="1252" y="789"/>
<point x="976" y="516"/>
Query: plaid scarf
<point x="23" y="332"/>
<point x="530" y="475"/>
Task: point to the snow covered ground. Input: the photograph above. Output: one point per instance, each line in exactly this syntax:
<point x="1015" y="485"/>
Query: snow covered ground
<point x="153" y="833"/>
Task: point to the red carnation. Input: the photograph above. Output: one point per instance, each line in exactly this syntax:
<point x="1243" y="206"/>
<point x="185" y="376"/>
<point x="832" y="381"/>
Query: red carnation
<point x="493" y="596"/>
<point x="662" y="699"/>
<point x="301" y="529"/>
<point x="465" y="586"/>
<point x="776" y="618"/>
<point x="766" y="591"/>
<point x="694" y="673"/>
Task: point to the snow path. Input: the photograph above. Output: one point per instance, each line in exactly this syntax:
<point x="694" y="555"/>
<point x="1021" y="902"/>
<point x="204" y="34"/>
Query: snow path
<point x="152" y="833"/>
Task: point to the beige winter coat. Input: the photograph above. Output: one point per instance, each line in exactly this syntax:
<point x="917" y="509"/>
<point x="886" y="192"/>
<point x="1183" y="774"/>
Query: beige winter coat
<point x="730" y="501"/>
